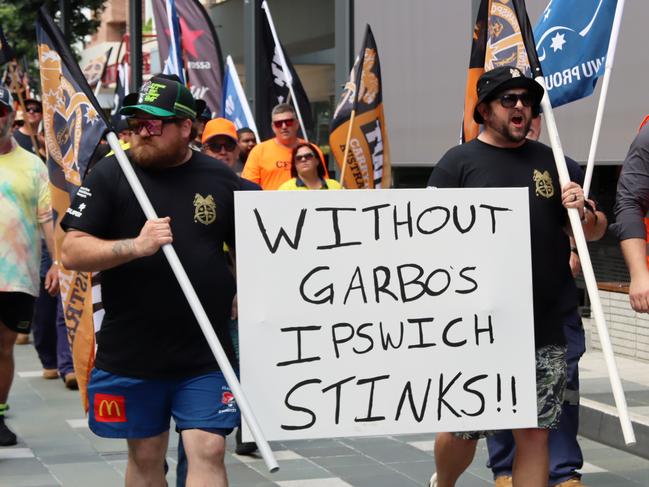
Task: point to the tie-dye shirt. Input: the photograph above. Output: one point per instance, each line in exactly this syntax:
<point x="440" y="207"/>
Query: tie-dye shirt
<point x="24" y="205"/>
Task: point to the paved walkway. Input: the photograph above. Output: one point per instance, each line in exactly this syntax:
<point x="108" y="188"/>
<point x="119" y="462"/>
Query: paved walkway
<point x="57" y="448"/>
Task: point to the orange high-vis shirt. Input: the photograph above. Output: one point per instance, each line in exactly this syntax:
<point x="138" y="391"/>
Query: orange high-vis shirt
<point x="269" y="164"/>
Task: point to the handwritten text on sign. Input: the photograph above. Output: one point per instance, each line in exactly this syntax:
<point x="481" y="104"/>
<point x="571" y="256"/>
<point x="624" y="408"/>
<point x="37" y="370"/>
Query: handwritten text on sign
<point x="385" y="311"/>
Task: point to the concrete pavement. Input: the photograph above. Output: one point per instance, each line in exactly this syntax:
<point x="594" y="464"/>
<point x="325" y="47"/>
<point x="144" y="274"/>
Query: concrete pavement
<point x="57" y="448"/>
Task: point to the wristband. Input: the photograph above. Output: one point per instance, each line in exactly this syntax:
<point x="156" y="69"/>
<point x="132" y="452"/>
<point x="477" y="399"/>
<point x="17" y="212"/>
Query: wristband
<point x="574" y="249"/>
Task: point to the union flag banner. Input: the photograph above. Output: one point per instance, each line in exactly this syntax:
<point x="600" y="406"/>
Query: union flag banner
<point x="361" y="105"/>
<point x="95" y="70"/>
<point x="201" y="50"/>
<point x="17" y="80"/>
<point x="121" y="85"/>
<point x="502" y="36"/>
<point x="573" y="38"/>
<point x="278" y="80"/>
<point x="74" y="125"/>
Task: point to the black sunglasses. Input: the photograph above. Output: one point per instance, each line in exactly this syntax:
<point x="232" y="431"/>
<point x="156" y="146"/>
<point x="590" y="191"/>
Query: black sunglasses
<point x="215" y="146"/>
<point x="510" y="100"/>
<point x="305" y="157"/>
<point x="34" y="109"/>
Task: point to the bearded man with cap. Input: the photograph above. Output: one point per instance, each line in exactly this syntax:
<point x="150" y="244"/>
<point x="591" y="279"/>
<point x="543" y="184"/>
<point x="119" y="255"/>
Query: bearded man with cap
<point x="501" y="156"/>
<point x="153" y="362"/>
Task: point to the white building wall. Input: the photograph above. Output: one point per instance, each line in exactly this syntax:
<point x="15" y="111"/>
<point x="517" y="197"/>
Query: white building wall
<point x="424" y="48"/>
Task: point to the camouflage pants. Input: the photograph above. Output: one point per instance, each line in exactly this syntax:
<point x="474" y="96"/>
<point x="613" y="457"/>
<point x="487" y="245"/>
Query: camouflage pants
<point x="551" y="376"/>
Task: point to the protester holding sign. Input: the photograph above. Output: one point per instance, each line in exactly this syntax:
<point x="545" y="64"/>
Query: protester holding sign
<point x="153" y="361"/>
<point x="501" y="156"/>
<point x="566" y="458"/>
<point x="308" y="170"/>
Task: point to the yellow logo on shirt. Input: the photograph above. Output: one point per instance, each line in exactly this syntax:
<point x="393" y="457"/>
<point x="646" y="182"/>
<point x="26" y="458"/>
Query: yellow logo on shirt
<point x="544" y="186"/>
<point x="204" y="209"/>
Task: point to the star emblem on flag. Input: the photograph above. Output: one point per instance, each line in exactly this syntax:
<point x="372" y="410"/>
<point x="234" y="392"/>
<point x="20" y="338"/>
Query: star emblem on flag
<point x="91" y="115"/>
<point x="189" y="37"/>
<point x="557" y="42"/>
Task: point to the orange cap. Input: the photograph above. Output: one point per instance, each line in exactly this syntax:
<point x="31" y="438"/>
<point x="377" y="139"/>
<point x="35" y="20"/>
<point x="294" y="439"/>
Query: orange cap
<point x="219" y="126"/>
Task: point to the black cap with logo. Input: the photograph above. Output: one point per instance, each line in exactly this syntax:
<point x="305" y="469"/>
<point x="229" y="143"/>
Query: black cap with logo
<point x="497" y="80"/>
<point x="161" y="97"/>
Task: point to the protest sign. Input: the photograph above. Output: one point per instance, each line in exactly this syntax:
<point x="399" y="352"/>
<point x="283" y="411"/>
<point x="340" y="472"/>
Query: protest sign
<point x="386" y="312"/>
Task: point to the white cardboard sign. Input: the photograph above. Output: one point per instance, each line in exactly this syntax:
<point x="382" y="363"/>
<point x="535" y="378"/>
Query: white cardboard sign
<point x="385" y="312"/>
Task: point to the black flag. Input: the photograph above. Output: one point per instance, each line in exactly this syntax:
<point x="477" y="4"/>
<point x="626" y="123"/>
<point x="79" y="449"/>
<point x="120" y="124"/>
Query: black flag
<point x="6" y="52"/>
<point x="275" y="82"/>
<point x="121" y="85"/>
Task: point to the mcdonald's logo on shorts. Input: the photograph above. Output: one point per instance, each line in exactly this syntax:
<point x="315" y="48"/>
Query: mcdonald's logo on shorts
<point x="109" y="408"/>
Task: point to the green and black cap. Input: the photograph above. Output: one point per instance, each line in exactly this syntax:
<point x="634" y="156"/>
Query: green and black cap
<point x="162" y="97"/>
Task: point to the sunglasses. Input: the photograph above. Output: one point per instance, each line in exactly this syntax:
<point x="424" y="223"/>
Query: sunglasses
<point x="153" y="126"/>
<point x="4" y="110"/>
<point x="510" y="100"/>
<point x="305" y="157"/>
<point x="229" y="146"/>
<point x="34" y="109"/>
<point x="280" y="123"/>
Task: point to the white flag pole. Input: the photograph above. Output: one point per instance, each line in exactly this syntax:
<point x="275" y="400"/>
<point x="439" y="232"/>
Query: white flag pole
<point x="287" y="72"/>
<point x="587" y="270"/>
<point x="98" y="88"/>
<point x="610" y="58"/>
<point x="197" y="308"/>
<point x="242" y="96"/>
<point x="172" y="64"/>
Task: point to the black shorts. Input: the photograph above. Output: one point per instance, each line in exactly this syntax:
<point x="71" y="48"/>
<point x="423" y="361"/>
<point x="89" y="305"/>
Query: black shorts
<point x="16" y="310"/>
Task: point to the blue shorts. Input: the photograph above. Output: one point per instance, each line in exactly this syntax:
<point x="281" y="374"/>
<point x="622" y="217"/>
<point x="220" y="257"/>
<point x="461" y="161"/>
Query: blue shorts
<point x="124" y="407"/>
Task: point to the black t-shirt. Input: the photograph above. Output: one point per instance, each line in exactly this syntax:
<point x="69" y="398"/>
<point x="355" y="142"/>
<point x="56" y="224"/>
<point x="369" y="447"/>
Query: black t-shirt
<point x="149" y="330"/>
<point x="24" y="141"/>
<point x="480" y="165"/>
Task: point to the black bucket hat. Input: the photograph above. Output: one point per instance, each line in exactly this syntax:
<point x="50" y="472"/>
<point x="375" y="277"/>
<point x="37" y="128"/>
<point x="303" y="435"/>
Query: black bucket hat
<point x="497" y="80"/>
<point x="161" y="97"/>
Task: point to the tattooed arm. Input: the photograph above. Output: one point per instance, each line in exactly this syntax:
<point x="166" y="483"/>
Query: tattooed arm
<point x="84" y="252"/>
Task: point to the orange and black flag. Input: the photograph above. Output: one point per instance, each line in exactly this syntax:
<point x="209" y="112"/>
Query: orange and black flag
<point x="74" y="125"/>
<point x="95" y="70"/>
<point x="361" y="104"/>
<point x="502" y="36"/>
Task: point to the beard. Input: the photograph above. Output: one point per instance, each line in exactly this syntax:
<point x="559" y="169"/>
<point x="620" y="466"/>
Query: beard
<point x="149" y="154"/>
<point x="512" y="134"/>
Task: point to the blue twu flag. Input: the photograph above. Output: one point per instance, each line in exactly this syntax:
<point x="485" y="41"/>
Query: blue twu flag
<point x="234" y="105"/>
<point x="174" y="62"/>
<point x="571" y="40"/>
